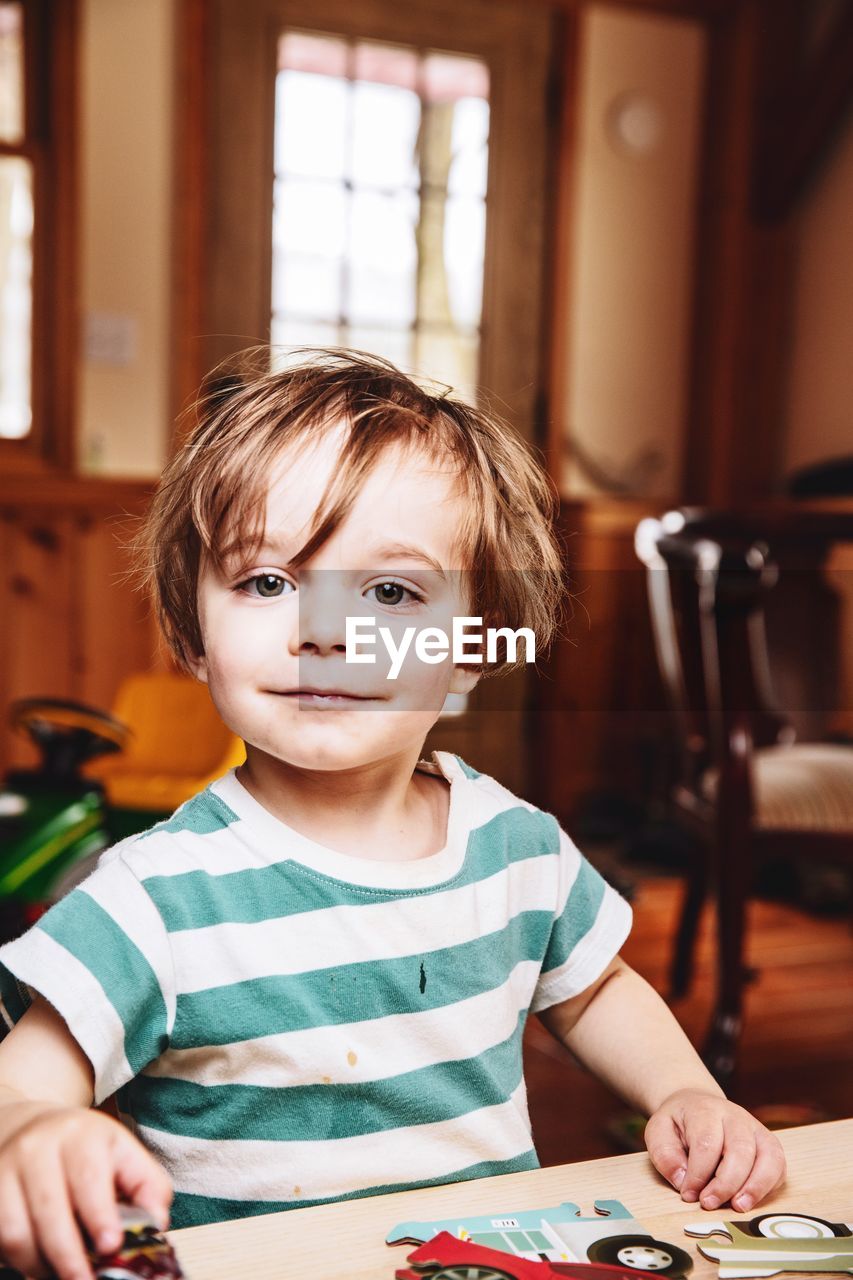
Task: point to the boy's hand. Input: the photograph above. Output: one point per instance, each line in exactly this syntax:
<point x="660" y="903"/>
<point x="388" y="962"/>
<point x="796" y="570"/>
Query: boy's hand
<point x="713" y="1151"/>
<point x="63" y="1168"/>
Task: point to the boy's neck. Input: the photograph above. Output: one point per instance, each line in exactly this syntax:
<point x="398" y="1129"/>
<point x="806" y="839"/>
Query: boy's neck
<point x="384" y="810"/>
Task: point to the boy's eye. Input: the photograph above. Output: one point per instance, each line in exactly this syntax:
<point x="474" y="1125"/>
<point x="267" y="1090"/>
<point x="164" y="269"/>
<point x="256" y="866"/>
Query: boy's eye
<point x="266" y="585"/>
<point x="392" y="593"/>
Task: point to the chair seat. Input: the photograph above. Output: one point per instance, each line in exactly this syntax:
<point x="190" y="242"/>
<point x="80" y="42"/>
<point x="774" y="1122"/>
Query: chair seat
<point x="802" y="787"/>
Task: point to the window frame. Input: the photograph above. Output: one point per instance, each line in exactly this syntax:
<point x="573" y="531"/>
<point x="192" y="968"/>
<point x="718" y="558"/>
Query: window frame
<point x="49" y="143"/>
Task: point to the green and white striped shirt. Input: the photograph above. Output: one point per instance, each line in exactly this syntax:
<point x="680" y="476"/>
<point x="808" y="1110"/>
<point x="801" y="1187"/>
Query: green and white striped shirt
<point x="287" y="1025"/>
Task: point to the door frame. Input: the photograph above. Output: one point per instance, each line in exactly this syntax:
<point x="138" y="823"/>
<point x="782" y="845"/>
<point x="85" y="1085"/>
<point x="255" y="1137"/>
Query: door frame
<point x="224" y="214"/>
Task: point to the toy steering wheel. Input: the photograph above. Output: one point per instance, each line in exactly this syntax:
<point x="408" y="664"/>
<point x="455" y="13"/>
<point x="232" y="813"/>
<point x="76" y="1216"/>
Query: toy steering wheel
<point x="67" y="733"/>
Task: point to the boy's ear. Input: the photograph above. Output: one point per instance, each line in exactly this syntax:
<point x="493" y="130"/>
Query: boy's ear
<point x="198" y="667"/>
<point x="464" y="679"/>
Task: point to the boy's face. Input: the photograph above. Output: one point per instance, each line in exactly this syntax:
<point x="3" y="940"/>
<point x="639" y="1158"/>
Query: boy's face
<point x="274" y="636"/>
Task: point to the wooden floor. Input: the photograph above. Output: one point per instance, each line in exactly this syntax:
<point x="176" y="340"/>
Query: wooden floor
<point x="798" y="1039"/>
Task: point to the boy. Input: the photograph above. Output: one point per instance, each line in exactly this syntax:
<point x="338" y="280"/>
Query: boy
<point x="312" y="981"/>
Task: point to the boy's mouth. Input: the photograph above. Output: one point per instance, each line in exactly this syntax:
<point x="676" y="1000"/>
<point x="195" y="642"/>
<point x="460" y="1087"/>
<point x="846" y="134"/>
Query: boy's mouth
<point x="324" y="697"/>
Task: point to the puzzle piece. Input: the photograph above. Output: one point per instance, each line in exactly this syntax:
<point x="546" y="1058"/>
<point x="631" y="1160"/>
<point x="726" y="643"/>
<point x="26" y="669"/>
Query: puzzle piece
<point x="776" y="1242"/>
<point x="445" y="1257"/>
<point x="560" y="1234"/>
<point x="144" y="1254"/>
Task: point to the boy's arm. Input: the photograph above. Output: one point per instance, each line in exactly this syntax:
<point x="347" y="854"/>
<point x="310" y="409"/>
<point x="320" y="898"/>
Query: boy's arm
<point x="708" y="1148"/>
<point x="59" y="1161"/>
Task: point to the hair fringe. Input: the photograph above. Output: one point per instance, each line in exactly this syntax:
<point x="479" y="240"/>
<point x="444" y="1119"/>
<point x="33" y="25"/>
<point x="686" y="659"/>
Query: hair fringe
<point x="248" y="411"/>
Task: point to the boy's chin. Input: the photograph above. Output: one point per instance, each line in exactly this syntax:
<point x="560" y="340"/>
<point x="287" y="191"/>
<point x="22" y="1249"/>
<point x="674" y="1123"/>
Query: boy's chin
<point x="328" y="759"/>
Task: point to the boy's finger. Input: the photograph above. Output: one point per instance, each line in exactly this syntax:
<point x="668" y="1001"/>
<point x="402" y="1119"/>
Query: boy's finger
<point x="767" y="1172"/>
<point x="666" y="1149"/>
<point x="733" y="1170"/>
<point x="704" y="1138"/>
<point x="142" y="1180"/>
<point x="17" y="1241"/>
<point x="92" y="1186"/>
<point x="58" y="1235"/>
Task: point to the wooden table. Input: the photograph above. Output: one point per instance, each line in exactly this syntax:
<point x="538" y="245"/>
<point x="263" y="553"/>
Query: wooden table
<point x="346" y="1241"/>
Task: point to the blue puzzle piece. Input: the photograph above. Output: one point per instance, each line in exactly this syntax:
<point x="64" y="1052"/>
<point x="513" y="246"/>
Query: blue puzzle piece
<point x="558" y="1233"/>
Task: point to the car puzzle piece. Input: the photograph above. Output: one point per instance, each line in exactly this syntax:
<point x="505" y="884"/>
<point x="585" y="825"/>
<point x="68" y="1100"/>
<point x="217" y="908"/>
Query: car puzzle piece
<point x="560" y="1234"/>
<point x="774" y="1242"/>
<point x="446" y="1257"/>
<point x="144" y="1254"/>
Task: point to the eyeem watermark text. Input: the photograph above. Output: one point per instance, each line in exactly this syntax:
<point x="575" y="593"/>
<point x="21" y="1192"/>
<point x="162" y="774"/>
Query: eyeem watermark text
<point x="433" y="645"/>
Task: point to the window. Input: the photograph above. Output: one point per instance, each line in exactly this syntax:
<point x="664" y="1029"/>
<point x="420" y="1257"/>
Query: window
<point x="379" y="202"/>
<point x="36" y="316"/>
<point x="16" y="232"/>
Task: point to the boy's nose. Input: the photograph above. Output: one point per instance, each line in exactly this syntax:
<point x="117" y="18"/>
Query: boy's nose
<point x="321" y="625"/>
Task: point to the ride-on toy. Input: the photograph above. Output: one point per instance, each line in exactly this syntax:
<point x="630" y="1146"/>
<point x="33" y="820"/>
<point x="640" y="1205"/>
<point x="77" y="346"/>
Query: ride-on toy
<point x="53" y="820"/>
<point x="101" y="776"/>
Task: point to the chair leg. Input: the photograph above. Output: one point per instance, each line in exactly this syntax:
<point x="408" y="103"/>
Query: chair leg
<point x="732" y="868"/>
<point x="684" y="952"/>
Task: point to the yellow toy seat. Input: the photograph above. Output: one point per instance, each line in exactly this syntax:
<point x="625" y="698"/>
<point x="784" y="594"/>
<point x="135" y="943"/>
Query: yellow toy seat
<point x="178" y="743"/>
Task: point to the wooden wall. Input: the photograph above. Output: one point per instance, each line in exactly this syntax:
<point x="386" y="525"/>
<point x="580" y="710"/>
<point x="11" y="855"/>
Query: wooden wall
<point x="72" y="623"/>
<point x="598" y="705"/>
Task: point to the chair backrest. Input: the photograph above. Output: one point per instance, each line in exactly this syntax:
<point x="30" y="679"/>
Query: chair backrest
<point x="707" y="580"/>
<point x="676" y="629"/>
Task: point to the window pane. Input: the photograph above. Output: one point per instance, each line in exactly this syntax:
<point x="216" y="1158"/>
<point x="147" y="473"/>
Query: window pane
<point x="11" y="73"/>
<point x="449" y="357"/>
<point x="469" y="148"/>
<point x="464" y="245"/>
<point x="383" y="258"/>
<point x="433" y="289"/>
<point x="301" y="333"/>
<point x="394" y="344"/>
<point x="16" y="269"/>
<point x="309" y="217"/>
<point x="320" y="55"/>
<point x="448" y="77"/>
<point x="307" y="285"/>
<point x="385" y="133"/>
<point x="318" y="151"/>
<point x="378" y="63"/>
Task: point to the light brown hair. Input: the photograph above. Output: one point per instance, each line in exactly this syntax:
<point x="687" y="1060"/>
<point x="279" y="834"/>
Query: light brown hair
<point x="213" y="492"/>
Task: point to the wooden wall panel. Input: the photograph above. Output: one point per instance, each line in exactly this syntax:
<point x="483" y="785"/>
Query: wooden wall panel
<point x="72" y="624"/>
<point x="114" y="624"/>
<point x="41" y="609"/>
<point x="599" y="704"/>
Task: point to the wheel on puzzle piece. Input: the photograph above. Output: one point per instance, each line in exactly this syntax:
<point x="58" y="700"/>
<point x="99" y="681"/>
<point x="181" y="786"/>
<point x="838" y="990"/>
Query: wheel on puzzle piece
<point x="470" y="1271"/>
<point x="641" y="1253"/>
<point x="793" y="1226"/>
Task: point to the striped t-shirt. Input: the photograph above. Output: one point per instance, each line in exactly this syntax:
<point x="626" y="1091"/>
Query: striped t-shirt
<point x="287" y="1025"/>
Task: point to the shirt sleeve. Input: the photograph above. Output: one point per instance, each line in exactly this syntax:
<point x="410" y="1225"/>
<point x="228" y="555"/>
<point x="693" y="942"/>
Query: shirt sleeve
<point x="591" y="923"/>
<point x="101" y="957"/>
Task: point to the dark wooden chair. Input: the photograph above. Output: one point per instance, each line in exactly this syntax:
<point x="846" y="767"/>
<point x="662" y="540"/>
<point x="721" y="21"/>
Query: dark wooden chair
<point x="743" y="785"/>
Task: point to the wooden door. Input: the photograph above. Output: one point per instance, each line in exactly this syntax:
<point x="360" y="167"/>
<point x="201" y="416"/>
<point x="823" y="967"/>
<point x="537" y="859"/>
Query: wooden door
<point x="514" y="42"/>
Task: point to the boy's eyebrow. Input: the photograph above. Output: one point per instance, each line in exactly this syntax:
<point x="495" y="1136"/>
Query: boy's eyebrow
<point x="403" y="551"/>
<point x="243" y="544"/>
<point x="388" y="551"/>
